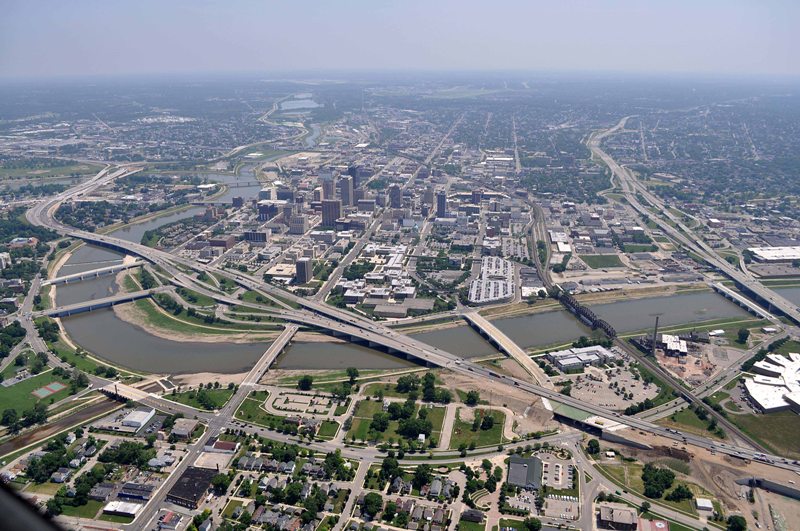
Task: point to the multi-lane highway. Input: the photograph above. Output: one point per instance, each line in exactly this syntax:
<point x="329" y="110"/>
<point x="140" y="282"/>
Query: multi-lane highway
<point x="320" y="315"/>
<point x="674" y="226"/>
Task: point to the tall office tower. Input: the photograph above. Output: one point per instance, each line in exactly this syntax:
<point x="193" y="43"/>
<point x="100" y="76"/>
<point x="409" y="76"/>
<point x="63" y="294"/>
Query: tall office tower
<point x="331" y="211"/>
<point x="346" y="191"/>
<point x="303" y="270"/>
<point x="318" y="193"/>
<point x="427" y="196"/>
<point x="477" y="196"/>
<point x="441" y="204"/>
<point x="329" y="188"/>
<point x="395" y="196"/>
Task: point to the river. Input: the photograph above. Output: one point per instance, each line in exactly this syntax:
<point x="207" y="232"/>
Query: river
<point x="107" y="336"/>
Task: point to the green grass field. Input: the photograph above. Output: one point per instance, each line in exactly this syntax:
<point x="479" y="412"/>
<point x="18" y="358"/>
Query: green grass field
<point x="220" y="397"/>
<point x="638" y="248"/>
<point x="600" y="261"/>
<point x="19" y="396"/>
<point x="89" y="510"/>
<point x="687" y="420"/>
<point x="463" y="434"/>
<point x="779" y="431"/>
<point x="328" y="429"/>
<point x="47" y="173"/>
<point x="464" y="525"/>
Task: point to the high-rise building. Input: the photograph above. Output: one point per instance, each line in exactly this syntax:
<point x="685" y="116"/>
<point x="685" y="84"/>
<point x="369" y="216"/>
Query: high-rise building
<point x="329" y="188"/>
<point x="427" y="196"/>
<point x="477" y="196"/>
<point x="395" y="196"/>
<point x="303" y="270"/>
<point x="441" y="204"/>
<point x="331" y="211"/>
<point x="297" y="223"/>
<point x="346" y="191"/>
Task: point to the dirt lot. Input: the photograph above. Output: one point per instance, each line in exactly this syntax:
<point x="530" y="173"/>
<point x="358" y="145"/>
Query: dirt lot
<point x="529" y="413"/>
<point x="718" y="473"/>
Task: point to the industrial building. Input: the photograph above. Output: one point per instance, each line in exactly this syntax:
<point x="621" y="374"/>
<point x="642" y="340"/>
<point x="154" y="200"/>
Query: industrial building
<point x="576" y="359"/>
<point x="139" y="417"/>
<point x="191" y="487"/>
<point x="775" y="254"/>
<point x="777" y="384"/>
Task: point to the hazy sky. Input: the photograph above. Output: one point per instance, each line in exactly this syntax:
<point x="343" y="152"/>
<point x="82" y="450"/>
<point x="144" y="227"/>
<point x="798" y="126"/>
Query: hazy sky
<point x="110" y="37"/>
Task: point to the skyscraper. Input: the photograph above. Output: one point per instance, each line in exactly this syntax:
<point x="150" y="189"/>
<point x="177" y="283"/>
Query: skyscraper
<point x="346" y="191"/>
<point x="303" y="270"/>
<point x="331" y="211"/>
<point x="395" y="196"/>
<point x="441" y="204"/>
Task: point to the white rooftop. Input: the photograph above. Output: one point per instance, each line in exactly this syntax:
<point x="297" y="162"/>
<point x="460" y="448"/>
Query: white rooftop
<point x="777" y="384"/>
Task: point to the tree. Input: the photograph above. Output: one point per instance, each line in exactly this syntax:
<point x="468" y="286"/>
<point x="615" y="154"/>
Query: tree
<point x="380" y="422"/>
<point x="373" y="503"/>
<point x="532" y="524"/>
<point x="737" y="523"/>
<point x="352" y="373"/>
<point x="305" y="382"/>
<point x="389" y="511"/>
<point x="472" y="399"/>
<point x="54" y="506"/>
<point x="422" y="476"/>
<point x="593" y="447"/>
<point x="10" y="417"/>
<point x="390" y="468"/>
<point x="644" y="507"/>
<point x="488" y="422"/>
<point x="742" y="335"/>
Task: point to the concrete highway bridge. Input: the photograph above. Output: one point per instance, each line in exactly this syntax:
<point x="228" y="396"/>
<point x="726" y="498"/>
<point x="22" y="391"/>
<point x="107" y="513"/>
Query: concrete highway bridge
<point x="744" y="302"/>
<point x="507" y="346"/>
<point x="96" y="304"/>
<point x="94" y="273"/>
<point x="346" y="324"/>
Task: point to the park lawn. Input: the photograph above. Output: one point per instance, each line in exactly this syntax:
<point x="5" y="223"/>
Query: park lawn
<point x="12" y="368"/>
<point x="463" y="434"/>
<point x="328" y="429"/>
<point x="366" y="409"/>
<point x="19" y="396"/>
<point x="251" y="411"/>
<point x="189" y="398"/>
<point x="359" y="429"/>
<point x="779" y="431"/>
<point x="464" y="525"/>
<point x="600" y="261"/>
<point x="341" y="409"/>
<point x="89" y="510"/>
<point x="436" y="416"/>
<point x="389" y="390"/>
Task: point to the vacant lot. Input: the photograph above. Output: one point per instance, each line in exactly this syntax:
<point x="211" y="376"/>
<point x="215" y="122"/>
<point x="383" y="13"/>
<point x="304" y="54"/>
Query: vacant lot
<point x="463" y="434"/>
<point x="599" y="261"/>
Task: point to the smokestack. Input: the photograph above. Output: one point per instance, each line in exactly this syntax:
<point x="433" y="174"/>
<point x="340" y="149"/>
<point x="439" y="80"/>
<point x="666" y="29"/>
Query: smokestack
<point x="655" y="336"/>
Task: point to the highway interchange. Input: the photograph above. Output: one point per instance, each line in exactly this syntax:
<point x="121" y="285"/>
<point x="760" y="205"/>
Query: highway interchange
<point x="312" y="312"/>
